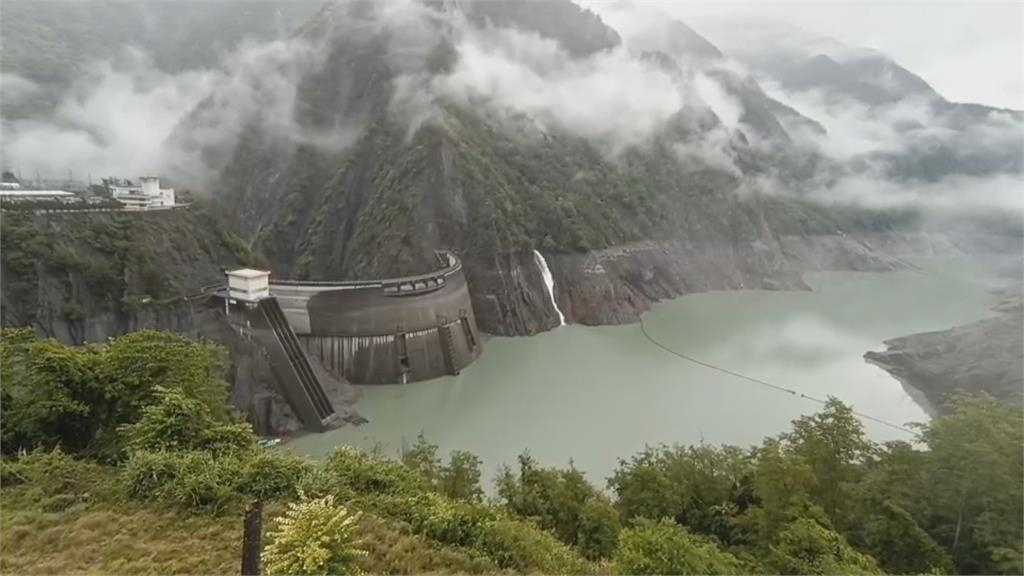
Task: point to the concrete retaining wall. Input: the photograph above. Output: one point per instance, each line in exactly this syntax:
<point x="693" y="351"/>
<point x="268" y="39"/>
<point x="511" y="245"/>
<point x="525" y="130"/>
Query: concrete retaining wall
<point x="377" y="331"/>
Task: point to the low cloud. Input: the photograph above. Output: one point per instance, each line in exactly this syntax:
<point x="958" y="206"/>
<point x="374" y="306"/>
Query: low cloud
<point x="121" y="117"/>
<point x="913" y="153"/>
<point x="611" y="97"/>
<point x="954" y="193"/>
<point x="728" y="109"/>
<point x="16" y="89"/>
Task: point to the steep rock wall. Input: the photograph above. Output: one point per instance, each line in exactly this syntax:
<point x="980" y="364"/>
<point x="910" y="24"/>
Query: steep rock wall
<point x="616" y="285"/>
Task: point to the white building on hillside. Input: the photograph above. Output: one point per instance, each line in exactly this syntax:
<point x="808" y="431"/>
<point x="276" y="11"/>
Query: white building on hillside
<point x="147" y="196"/>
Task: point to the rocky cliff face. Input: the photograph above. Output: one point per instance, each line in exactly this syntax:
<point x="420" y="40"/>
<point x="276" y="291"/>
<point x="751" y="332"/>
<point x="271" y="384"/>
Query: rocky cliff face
<point x="615" y="285"/>
<point x="83" y="277"/>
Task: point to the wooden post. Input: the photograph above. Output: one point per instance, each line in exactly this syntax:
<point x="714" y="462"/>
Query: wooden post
<point x="252" y="539"/>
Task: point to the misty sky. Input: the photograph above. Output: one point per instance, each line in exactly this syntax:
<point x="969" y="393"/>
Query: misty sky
<point x="968" y="51"/>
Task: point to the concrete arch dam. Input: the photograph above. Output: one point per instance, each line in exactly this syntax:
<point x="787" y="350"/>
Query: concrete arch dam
<point x="385" y="331"/>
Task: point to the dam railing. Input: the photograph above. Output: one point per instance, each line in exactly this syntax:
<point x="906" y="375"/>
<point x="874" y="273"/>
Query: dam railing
<point x="309" y="393"/>
<point x="402" y="286"/>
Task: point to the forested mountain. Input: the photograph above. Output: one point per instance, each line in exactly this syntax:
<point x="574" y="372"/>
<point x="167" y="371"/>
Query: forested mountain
<point x="640" y="158"/>
<point x="468" y="126"/>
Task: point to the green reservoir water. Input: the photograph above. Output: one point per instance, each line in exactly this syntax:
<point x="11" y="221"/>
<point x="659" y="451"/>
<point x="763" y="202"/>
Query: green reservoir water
<point x="595" y="394"/>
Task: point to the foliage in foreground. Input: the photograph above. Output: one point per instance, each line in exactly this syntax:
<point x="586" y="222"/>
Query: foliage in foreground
<point x="664" y="547"/>
<point x="315" y="536"/>
<point x="819" y="499"/>
<point x="80" y="397"/>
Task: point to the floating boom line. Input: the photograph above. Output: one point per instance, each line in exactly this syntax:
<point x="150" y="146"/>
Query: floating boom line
<point x="764" y="383"/>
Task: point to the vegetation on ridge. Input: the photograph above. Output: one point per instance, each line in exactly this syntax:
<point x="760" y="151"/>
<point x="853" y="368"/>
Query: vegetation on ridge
<point x="86" y="265"/>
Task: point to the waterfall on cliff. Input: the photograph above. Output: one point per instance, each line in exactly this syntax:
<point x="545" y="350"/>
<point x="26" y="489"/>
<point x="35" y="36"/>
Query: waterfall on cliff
<point x="549" y="282"/>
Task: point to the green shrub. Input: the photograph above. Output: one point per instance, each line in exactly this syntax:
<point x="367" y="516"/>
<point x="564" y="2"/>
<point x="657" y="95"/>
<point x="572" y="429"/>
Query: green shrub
<point x="190" y="480"/>
<point x="392" y="548"/>
<point x="520" y="546"/>
<point x="807" y="547"/>
<point x="314" y="537"/>
<point x="53" y="472"/>
<point x="178" y="422"/>
<point x="268" y="475"/>
<point x="663" y="547"/>
<point x="201" y="480"/>
<point x="350" y="470"/>
<point x="454" y="522"/>
<point x="56" y="480"/>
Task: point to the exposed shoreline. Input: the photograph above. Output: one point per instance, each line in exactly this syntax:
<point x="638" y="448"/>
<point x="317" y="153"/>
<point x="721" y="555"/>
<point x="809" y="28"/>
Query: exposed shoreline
<point x="986" y="355"/>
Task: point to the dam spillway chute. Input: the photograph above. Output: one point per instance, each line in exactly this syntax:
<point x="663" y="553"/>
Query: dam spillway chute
<point x="549" y="283"/>
<point x="255" y="312"/>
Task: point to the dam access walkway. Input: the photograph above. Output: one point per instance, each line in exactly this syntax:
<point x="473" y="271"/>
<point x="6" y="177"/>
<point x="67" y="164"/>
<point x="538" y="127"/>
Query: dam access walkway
<point x="254" y="312"/>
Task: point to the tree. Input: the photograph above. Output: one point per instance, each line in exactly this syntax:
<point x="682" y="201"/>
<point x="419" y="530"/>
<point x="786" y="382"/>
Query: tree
<point x="831" y="442"/>
<point x="461" y="477"/>
<point x="80" y="396"/>
<point x="598" y="531"/>
<point x="644" y="489"/>
<point x="901" y="546"/>
<point x="50" y="393"/>
<point x="422" y="457"/>
<point x="177" y="422"/>
<point x="975" y="483"/>
<point x="315" y="536"/>
<point x="701" y="487"/>
<point x="781" y="486"/>
<point x="663" y="547"/>
<point x="556" y="500"/>
<point x="136" y="363"/>
<point x="807" y="547"/>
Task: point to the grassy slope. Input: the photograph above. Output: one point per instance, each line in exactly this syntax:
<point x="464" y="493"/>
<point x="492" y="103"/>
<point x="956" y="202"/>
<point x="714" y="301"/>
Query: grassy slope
<point x="130" y="539"/>
<point x="105" y="536"/>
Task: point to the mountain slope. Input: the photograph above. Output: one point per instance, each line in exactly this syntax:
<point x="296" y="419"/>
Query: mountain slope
<point x="493" y="184"/>
<point x="88" y="276"/>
